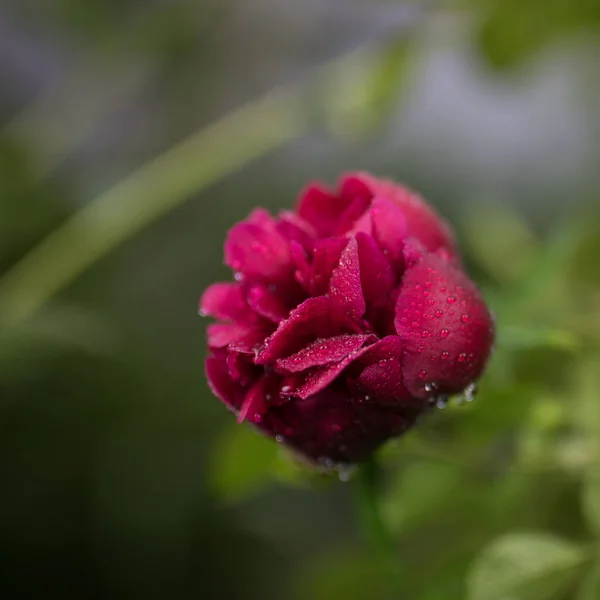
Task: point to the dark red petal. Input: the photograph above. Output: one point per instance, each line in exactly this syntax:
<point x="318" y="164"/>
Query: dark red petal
<point x="240" y="367"/>
<point x="296" y="229"/>
<point x="321" y="352"/>
<point x="321" y="209"/>
<point x="381" y="379"/>
<point x="364" y="224"/>
<point x="330" y="428"/>
<point x="225" y="301"/>
<point x="353" y="185"/>
<point x="251" y="340"/>
<point x="352" y="215"/>
<point x="308" y="321"/>
<point x="422" y="221"/>
<point x="220" y="335"/>
<point x="321" y="377"/>
<point x="325" y="258"/>
<point x="389" y="229"/>
<point x="266" y="304"/>
<point x="345" y="289"/>
<point x="220" y="382"/>
<point x="376" y="275"/>
<point x="445" y="327"/>
<point x="255" y="404"/>
<point x="255" y="249"/>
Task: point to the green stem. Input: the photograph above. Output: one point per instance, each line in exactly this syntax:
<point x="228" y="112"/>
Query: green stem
<point x="368" y="485"/>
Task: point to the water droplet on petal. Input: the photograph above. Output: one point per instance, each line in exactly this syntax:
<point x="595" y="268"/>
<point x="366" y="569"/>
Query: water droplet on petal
<point x="444" y="333"/>
<point x="451" y="299"/>
<point x="441" y="402"/>
<point x="464" y="318"/>
<point x="470" y="391"/>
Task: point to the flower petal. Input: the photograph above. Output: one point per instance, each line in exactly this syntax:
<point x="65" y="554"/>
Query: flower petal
<point x="389" y="229"/>
<point x="321" y="209"/>
<point x="220" y="382"/>
<point x="256" y="249"/>
<point x="266" y="304"/>
<point x="326" y="256"/>
<point x="312" y="319"/>
<point x="220" y="335"/>
<point x="422" y="221"/>
<point x="321" y="352"/>
<point x="321" y="377"/>
<point x="345" y="289"/>
<point x="296" y="229"/>
<point x="382" y="378"/>
<point x="376" y="276"/>
<point x="445" y="327"/>
<point x="255" y="404"/>
<point x="240" y="367"/>
<point x="225" y="301"/>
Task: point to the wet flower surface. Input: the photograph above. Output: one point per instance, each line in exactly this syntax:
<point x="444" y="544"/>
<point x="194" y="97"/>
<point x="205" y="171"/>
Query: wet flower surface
<point x="346" y="319"/>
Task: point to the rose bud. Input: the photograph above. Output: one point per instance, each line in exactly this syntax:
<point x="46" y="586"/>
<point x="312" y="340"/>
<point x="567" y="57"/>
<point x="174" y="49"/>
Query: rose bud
<point x="348" y="318"/>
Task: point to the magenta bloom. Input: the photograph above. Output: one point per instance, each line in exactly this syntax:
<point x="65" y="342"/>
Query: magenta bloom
<point x="347" y="318"/>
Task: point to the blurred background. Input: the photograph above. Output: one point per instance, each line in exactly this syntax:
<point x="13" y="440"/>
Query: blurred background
<point x="133" y="135"/>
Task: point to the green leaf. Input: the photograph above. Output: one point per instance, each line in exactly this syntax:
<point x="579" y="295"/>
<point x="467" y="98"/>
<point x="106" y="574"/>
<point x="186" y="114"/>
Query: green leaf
<point x="535" y="566"/>
<point x="590" y="587"/>
<point x="243" y="464"/>
<point x="591" y="498"/>
<point x="522" y="338"/>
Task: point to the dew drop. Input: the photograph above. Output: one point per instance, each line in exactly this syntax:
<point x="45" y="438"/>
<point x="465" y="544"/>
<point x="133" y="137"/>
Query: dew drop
<point x="420" y="349"/>
<point x="439" y="313"/>
<point x="285" y="388"/>
<point x="470" y="391"/>
<point x="444" y="333"/>
<point x="344" y="474"/>
<point x="443" y="289"/>
<point x="430" y="387"/>
<point x="464" y="318"/>
<point x="238" y="277"/>
<point x="445" y="355"/>
<point x="422" y="375"/>
<point x="462" y="357"/>
<point x="451" y="299"/>
<point x="279" y="439"/>
<point x="441" y="402"/>
<point x="425" y="333"/>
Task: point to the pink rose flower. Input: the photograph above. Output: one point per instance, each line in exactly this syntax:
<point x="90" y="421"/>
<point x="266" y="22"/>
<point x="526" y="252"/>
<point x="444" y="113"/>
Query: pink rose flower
<point x="347" y="319"/>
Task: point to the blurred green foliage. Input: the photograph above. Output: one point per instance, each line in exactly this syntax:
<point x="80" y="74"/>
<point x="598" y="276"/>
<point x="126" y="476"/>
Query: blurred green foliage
<point x="122" y="477"/>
